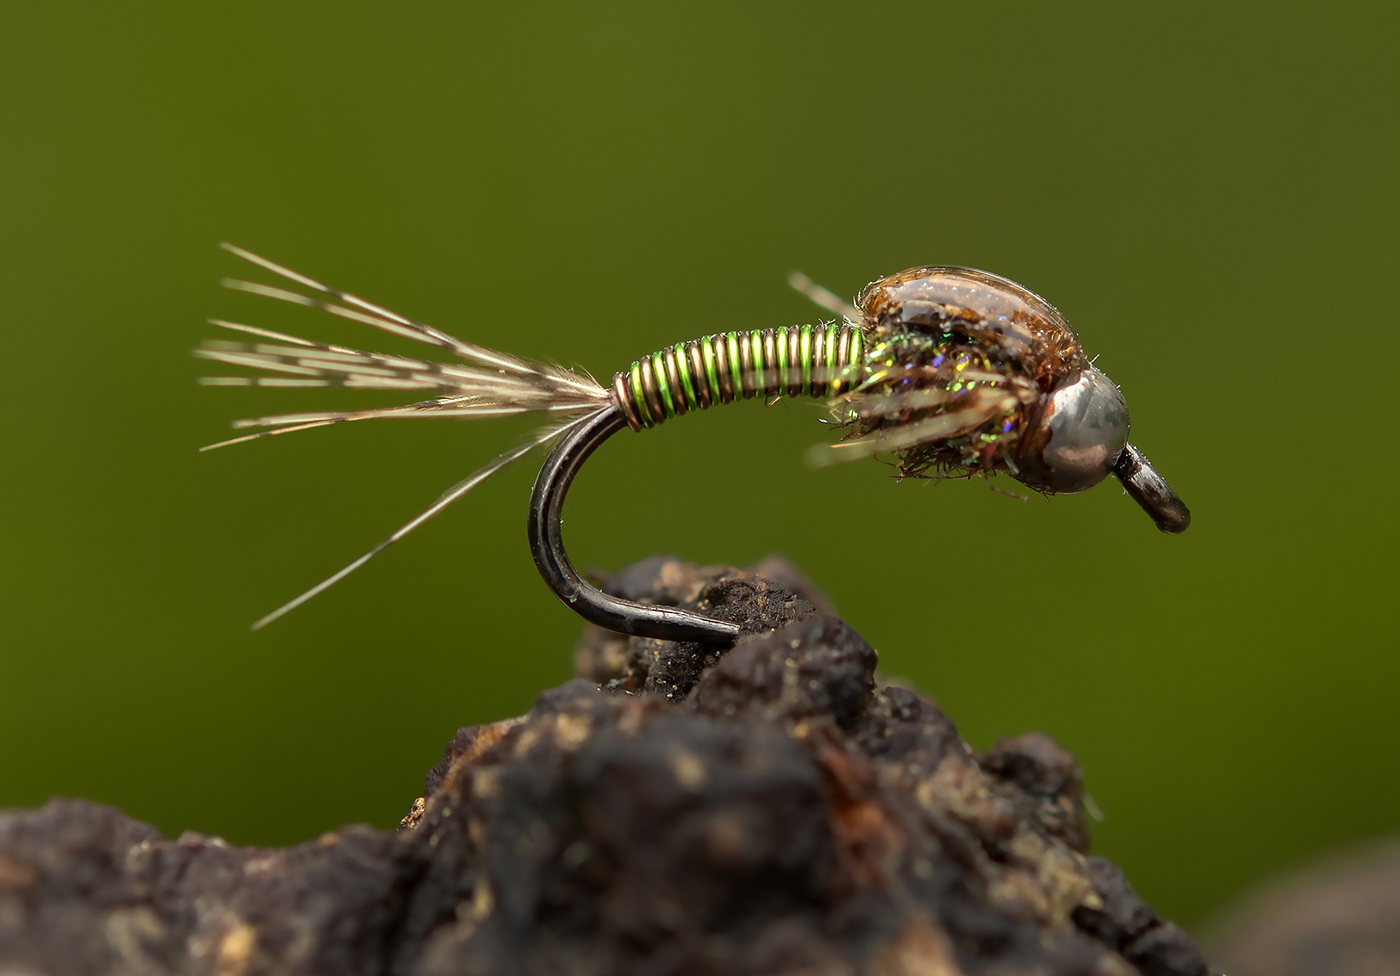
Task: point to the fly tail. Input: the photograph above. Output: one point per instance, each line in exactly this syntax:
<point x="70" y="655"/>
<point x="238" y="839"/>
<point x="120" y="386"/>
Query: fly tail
<point x="484" y="383"/>
<point x="487" y="383"/>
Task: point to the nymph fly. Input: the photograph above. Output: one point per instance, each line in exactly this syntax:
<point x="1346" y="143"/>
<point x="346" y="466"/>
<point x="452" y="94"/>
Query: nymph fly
<point x="949" y="371"/>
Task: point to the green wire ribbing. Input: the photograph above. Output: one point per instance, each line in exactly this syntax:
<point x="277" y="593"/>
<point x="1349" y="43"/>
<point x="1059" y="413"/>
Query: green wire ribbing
<point x="707" y="355"/>
<point x="639" y="399"/>
<point x="683" y="368"/>
<point x="760" y="381"/>
<point x="791" y="366"/>
<point x="663" y="385"/>
<point x="804" y="352"/>
<point x="736" y="372"/>
<point x="781" y="340"/>
<point x="855" y="356"/>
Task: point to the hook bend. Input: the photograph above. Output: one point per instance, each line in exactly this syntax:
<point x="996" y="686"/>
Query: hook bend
<point x="547" y="546"/>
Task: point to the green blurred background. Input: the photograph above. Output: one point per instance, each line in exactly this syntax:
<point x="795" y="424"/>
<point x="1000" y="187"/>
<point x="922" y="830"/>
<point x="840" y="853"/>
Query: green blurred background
<point x="1207" y="192"/>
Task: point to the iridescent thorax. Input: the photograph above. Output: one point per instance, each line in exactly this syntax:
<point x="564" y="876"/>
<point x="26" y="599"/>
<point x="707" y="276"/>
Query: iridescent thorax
<point x="1018" y="326"/>
<point x="965" y="373"/>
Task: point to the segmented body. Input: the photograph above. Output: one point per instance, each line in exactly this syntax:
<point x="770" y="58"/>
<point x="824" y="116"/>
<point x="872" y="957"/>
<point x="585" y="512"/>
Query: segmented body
<point x="820" y="361"/>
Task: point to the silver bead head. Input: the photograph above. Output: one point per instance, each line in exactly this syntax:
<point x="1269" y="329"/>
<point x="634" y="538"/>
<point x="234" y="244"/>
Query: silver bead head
<point x="1078" y="437"/>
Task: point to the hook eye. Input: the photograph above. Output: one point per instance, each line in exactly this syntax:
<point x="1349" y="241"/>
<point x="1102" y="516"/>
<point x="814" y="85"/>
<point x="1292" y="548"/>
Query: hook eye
<point x="1150" y="490"/>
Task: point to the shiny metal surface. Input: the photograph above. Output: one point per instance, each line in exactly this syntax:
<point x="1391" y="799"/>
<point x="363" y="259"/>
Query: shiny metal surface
<point x="1150" y="490"/>
<point x="1079" y="436"/>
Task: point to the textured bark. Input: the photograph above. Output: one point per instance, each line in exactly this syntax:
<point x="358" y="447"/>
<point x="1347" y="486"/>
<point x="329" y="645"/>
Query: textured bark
<point x="769" y="809"/>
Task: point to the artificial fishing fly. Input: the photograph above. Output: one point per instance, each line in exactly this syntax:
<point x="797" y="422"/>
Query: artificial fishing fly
<point x="952" y="371"/>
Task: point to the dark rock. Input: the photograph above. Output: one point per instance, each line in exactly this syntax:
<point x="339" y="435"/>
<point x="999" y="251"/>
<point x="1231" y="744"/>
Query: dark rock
<point x="1119" y="916"/>
<point x="1034" y="772"/>
<point x="1121" y="919"/>
<point x="765" y="809"/>
<point x="816" y="666"/>
<point x="86" y="890"/>
<point x="755" y="598"/>
<point x="1165" y="950"/>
